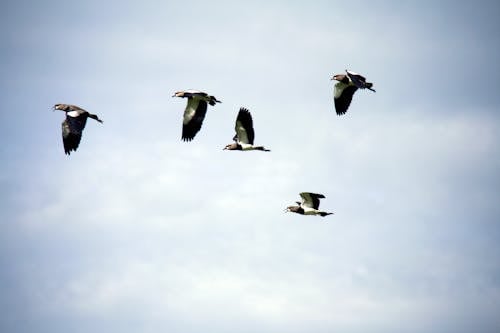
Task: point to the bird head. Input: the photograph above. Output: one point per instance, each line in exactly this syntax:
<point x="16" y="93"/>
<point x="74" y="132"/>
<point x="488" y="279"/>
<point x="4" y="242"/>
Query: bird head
<point x="291" y="209"/>
<point x="232" y="146"/>
<point x="178" y="94"/>
<point x="337" y="77"/>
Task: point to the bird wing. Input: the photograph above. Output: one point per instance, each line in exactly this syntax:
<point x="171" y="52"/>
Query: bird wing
<point x="311" y="200"/>
<point x="194" y="93"/>
<point x="351" y="74"/>
<point x="244" y="127"/>
<point x="70" y="107"/>
<point x="358" y="80"/>
<point x="342" y="97"/>
<point x="72" y="128"/>
<point x="193" y="118"/>
<point x="76" y="121"/>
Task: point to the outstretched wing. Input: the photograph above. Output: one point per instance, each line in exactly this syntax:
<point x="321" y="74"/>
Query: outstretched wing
<point x="72" y="128"/>
<point x="244" y="127"/>
<point x="193" y="118"/>
<point x="342" y="97"/>
<point x="311" y="200"/>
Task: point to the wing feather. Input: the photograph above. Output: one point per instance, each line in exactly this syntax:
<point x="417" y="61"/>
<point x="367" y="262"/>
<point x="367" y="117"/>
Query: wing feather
<point x="244" y="127"/>
<point x="72" y="128"/>
<point x="194" y="114"/>
<point x="358" y="80"/>
<point x="343" y="96"/>
<point x="311" y="200"/>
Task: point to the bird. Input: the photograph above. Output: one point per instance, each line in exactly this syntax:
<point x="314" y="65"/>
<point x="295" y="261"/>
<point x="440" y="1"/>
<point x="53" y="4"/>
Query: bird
<point x="244" y="133"/>
<point x="309" y="205"/>
<point x="73" y="125"/>
<point x="345" y="88"/>
<point x="195" y="111"/>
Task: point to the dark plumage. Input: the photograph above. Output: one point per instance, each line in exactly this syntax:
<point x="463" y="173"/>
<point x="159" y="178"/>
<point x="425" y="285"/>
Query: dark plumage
<point x="359" y="81"/>
<point x="245" y="133"/>
<point x="309" y="205"/>
<point x="346" y="87"/>
<point x="195" y="111"/>
<point x="73" y="125"/>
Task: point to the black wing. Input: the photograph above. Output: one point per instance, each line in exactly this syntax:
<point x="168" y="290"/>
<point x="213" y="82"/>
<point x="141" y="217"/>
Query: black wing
<point x="72" y="128"/>
<point x="193" y="124"/>
<point x="343" y="101"/>
<point x="244" y="126"/>
<point x="359" y="81"/>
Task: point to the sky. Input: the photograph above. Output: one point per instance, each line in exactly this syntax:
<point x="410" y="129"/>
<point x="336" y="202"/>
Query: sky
<point x="138" y="231"/>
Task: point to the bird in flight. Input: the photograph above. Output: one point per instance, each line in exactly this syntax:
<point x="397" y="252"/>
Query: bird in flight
<point x="195" y="111"/>
<point x="309" y="205"/>
<point x="73" y="125"/>
<point x="245" y="134"/>
<point x="345" y="88"/>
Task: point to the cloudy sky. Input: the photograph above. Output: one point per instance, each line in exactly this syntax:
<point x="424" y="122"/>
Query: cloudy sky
<point x="138" y="231"/>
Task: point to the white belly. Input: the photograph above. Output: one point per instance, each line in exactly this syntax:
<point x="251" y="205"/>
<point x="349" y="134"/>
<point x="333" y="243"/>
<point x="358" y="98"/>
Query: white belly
<point x="246" y="146"/>
<point x="310" y="211"/>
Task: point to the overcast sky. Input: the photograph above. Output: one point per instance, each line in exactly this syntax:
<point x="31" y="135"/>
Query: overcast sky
<point x="138" y="231"/>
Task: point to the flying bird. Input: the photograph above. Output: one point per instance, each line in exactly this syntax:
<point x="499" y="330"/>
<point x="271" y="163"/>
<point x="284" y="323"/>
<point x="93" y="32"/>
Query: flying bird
<point x="309" y="205"/>
<point x="345" y="88"/>
<point x="195" y="111"/>
<point x="244" y="133"/>
<point x="73" y="125"/>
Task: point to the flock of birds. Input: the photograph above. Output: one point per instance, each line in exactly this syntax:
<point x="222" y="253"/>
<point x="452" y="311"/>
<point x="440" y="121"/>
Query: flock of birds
<point x="194" y="114"/>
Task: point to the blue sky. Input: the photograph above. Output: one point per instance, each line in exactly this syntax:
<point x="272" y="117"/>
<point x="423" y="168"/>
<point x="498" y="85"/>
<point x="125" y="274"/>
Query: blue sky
<point x="138" y="231"/>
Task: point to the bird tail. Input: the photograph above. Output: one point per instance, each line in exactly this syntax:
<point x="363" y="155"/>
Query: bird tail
<point x="213" y="100"/>
<point x="325" y="214"/>
<point x="93" y="116"/>
<point x="369" y="86"/>
<point x="261" y="148"/>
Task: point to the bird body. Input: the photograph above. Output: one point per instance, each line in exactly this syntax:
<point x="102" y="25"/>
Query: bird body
<point x="245" y="133"/>
<point x="309" y="205"/>
<point x="345" y="88"/>
<point x="73" y="125"/>
<point x="195" y="111"/>
<point x="247" y="146"/>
